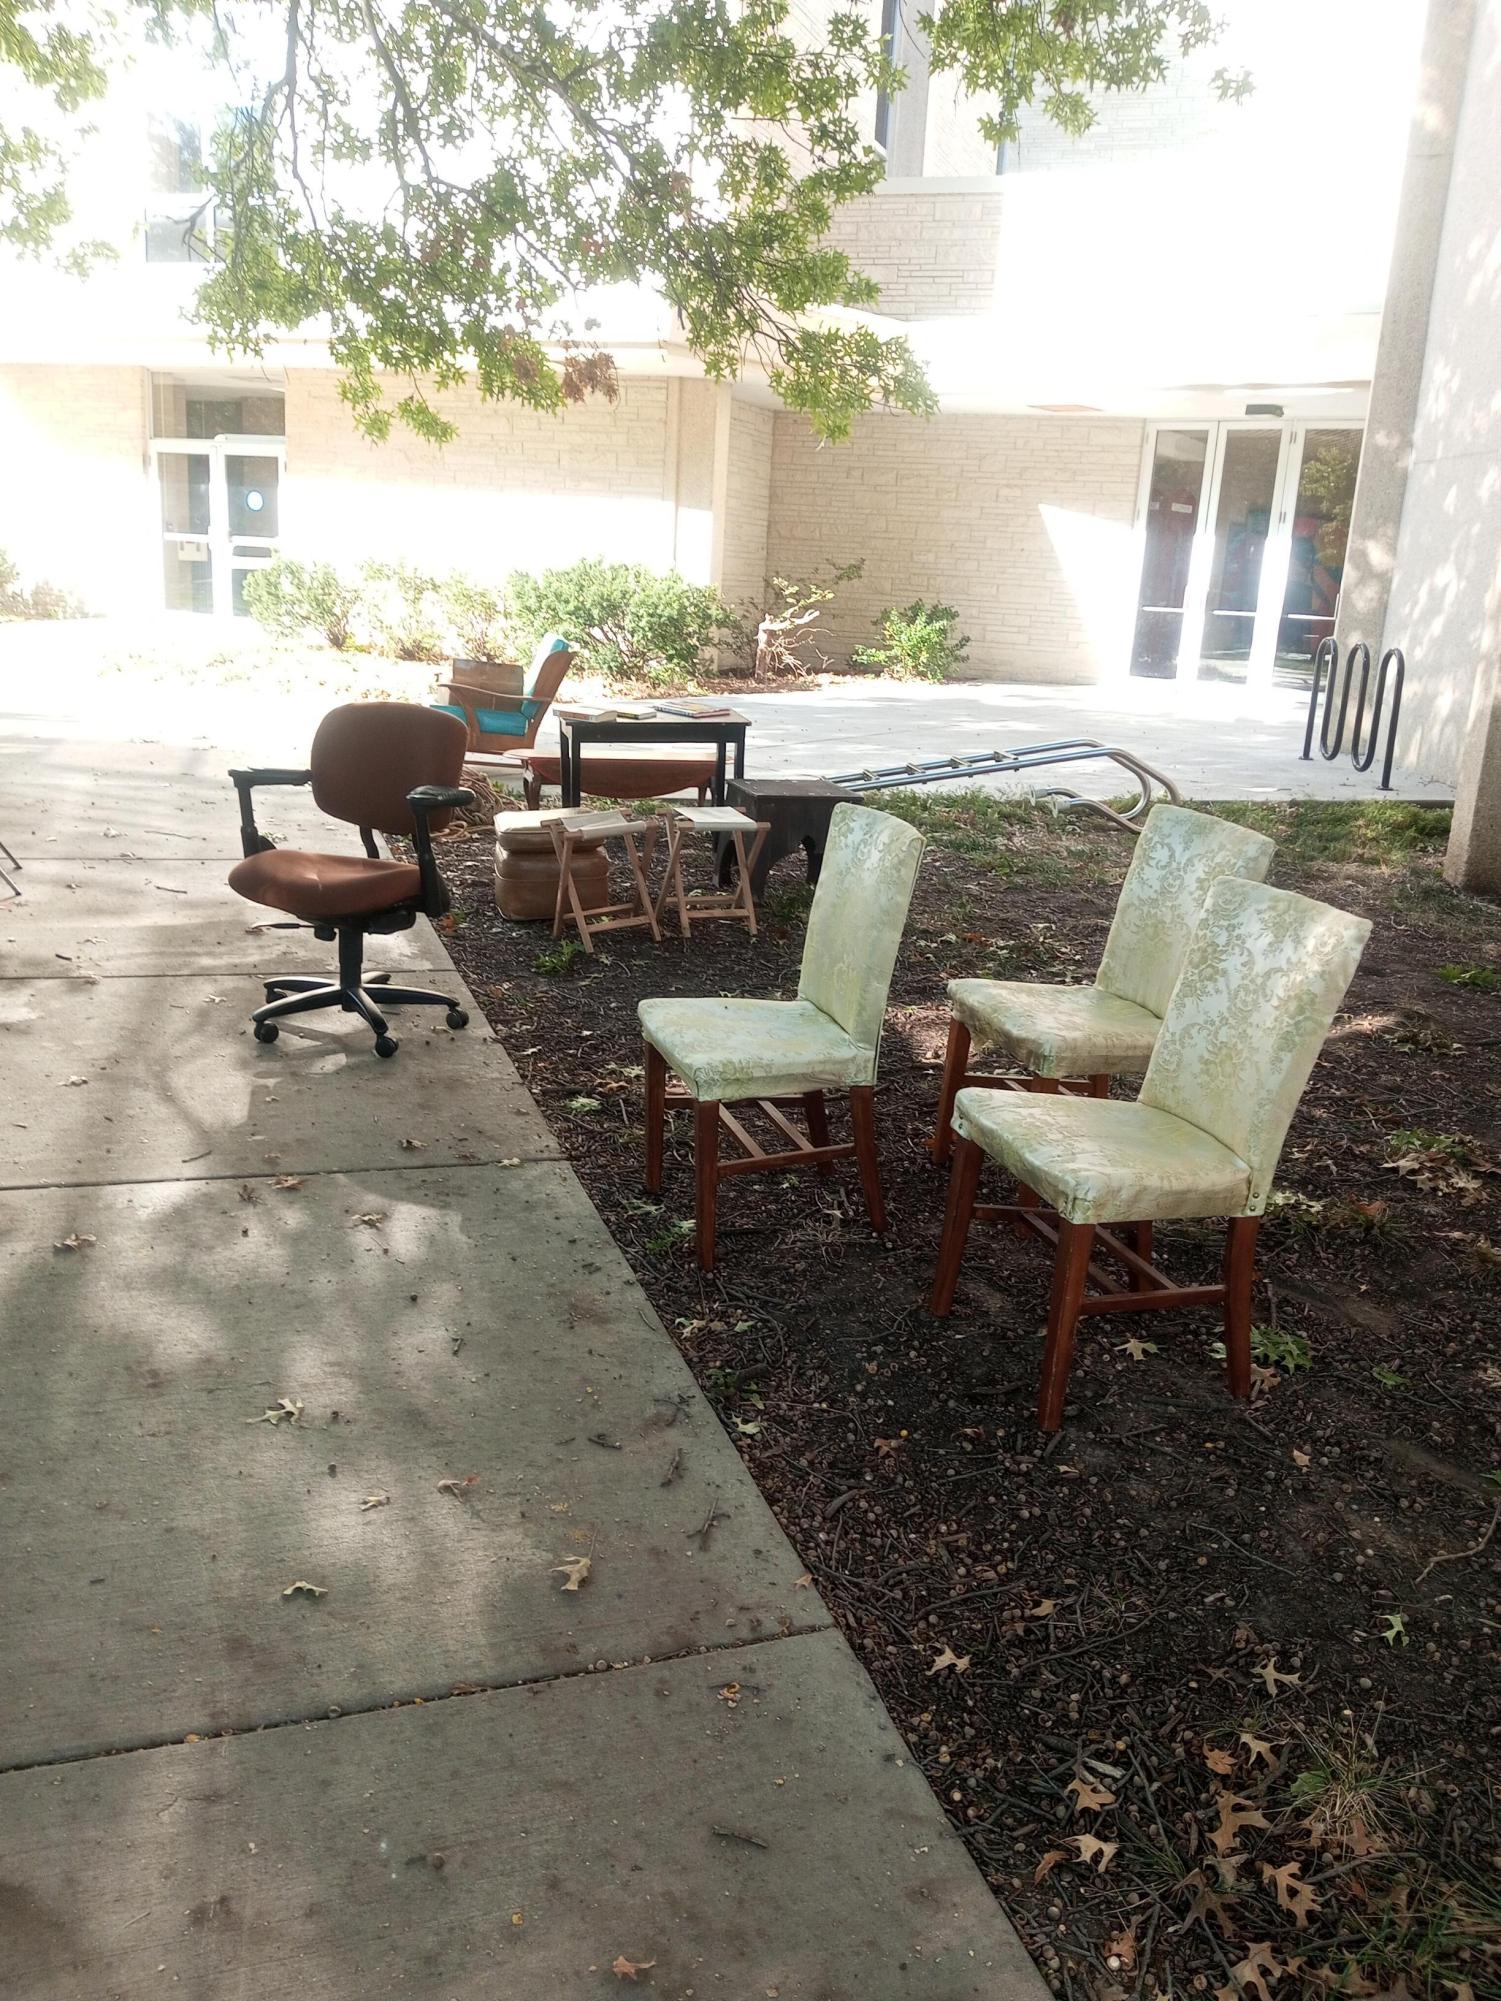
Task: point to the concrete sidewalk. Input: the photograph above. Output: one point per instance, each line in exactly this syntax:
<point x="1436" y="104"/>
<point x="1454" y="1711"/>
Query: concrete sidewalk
<point x="447" y="1778"/>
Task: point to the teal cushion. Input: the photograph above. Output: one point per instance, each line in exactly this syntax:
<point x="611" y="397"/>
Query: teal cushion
<point x="493" y="722"/>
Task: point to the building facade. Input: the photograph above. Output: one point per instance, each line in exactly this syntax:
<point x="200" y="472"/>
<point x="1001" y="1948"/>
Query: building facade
<point x="1153" y="348"/>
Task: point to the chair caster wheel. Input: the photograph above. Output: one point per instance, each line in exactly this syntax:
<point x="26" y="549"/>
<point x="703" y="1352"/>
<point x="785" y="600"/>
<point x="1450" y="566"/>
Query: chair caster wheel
<point x="266" y="1031"/>
<point x="386" y="1045"/>
<point x="457" y="1018"/>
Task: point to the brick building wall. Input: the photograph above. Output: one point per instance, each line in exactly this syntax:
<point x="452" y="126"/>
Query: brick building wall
<point x="931" y="249"/>
<point x="1023" y="523"/>
<point x="516" y="489"/>
<point x="76" y="507"/>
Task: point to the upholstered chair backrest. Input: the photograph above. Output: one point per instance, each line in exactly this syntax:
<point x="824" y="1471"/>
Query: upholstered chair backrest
<point x="1179" y="855"/>
<point x="367" y="756"/>
<point x="859" y="910"/>
<point x="550" y="663"/>
<point x="1262" y="977"/>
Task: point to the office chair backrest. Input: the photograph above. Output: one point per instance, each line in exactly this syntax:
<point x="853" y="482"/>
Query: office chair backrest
<point x="367" y="756"/>
<point x="1262" y="977"/>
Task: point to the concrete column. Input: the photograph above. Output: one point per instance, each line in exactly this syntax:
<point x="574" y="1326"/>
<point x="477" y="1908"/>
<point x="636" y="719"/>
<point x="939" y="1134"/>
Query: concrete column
<point x="1387" y="451"/>
<point x="909" y="109"/>
<point x="1474" y="857"/>
<point x="699" y="436"/>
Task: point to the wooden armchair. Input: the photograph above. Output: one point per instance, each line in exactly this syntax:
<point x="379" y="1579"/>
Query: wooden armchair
<point x="493" y="729"/>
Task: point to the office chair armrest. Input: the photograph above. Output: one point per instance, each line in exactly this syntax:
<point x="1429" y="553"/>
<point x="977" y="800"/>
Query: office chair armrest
<point x="252" y="840"/>
<point x="423" y="800"/>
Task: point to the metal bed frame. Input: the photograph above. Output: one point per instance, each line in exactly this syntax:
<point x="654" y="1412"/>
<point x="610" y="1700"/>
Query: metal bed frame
<point x="1030" y="757"/>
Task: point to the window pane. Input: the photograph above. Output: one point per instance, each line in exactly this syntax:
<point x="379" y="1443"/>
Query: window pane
<point x="1178" y="463"/>
<point x="178" y="239"/>
<point x="1320" y="532"/>
<point x="252" y="495"/>
<point x="175" y="155"/>
<point x="1243" y="519"/>
<point x="184" y="483"/>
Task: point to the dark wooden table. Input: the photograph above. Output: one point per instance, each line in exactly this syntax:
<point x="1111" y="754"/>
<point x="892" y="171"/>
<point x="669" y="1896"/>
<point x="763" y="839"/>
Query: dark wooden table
<point x="797" y="810"/>
<point x="722" y="731"/>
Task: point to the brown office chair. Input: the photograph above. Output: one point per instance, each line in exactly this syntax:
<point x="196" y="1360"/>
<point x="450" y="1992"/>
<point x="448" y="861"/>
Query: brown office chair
<point x="390" y="766"/>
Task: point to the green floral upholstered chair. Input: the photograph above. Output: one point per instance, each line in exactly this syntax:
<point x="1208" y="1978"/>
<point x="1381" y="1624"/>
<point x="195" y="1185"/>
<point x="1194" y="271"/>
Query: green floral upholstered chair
<point x="787" y="1053"/>
<point x="1262" y="977"/>
<point x="1098" y="1032"/>
<point x="498" y="724"/>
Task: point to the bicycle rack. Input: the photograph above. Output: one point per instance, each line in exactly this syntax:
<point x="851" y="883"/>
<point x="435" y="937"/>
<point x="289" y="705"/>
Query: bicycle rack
<point x="1024" y="758"/>
<point x="1328" y="656"/>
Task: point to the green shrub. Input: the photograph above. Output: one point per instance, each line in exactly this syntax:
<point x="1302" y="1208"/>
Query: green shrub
<point x="401" y="610"/>
<point x="293" y="599"/>
<point x="625" y="622"/>
<point x="42" y="600"/>
<point x="919" y="643"/>
<point x="473" y="614"/>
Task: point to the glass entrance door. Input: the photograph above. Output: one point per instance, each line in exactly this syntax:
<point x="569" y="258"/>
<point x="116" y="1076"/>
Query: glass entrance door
<point x="220" y="518"/>
<point x="1243" y="536"/>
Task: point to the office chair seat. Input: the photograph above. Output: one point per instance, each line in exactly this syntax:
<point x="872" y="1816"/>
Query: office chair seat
<point x="310" y="885"/>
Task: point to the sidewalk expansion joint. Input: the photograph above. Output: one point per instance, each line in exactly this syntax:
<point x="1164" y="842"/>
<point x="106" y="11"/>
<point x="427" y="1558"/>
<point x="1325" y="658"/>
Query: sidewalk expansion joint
<point x="304" y="1173"/>
<point x="459" y="1692"/>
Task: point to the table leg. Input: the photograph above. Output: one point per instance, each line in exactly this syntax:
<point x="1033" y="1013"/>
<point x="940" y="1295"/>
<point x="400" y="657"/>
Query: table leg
<point x="740" y="753"/>
<point x="575" y="793"/>
<point x="719" y="764"/>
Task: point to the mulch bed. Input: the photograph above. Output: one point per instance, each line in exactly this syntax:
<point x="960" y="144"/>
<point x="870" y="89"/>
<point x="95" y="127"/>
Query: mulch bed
<point x="1211" y="1692"/>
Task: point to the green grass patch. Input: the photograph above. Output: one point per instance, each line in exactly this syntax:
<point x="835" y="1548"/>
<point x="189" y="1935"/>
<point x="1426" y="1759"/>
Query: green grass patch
<point x="1378" y="833"/>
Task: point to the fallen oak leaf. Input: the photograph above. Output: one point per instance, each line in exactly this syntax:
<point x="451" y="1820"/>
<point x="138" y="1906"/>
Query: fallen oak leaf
<point x="287" y="1182"/>
<point x="286" y="1410"/>
<point x="1049" y="1863"/>
<point x="372" y="1219"/>
<point x="576" y="1569"/>
<point x="305" y="1589"/>
<point x="1122" y="1947"/>
<point x="1207" y="1903"/>
<point x="627" y="1969"/>
<point x="949" y="1659"/>
<point x="374" y="1501"/>
<point x="1292" y="1894"/>
<point x="460" y="1489"/>
<point x="1271" y="1675"/>
<point x="1259" y="1747"/>
<point x="1235" y="1813"/>
<point x="1136" y="1348"/>
<point x="1092" y="1849"/>
<point x="75" y="1242"/>
<point x="247" y="1193"/>
<point x="1088" y="1798"/>
<point x="1222" y="1762"/>
<point x="1248" y="1976"/>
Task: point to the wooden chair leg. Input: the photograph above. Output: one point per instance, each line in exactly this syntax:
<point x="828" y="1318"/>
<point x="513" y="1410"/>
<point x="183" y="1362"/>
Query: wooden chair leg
<point x="1240" y="1271"/>
<point x="656" y="1116"/>
<point x="643" y="888"/>
<point x="863" y="1116"/>
<point x="1071" y="1268"/>
<point x="817" y="1114"/>
<point x="964" y="1182"/>
<point x="955" y="1063"/>
<point x="705" y="1178"/>
<point x="1141" y="1242"/>
<point x="1099" y="1084"/>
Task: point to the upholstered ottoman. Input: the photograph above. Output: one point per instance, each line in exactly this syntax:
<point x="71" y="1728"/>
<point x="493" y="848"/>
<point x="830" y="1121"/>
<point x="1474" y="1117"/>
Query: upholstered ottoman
<point x="621" y="777"/>
<point x="526" y="867"/>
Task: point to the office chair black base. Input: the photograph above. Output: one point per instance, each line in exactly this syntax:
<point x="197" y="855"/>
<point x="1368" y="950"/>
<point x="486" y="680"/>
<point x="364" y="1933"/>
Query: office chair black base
<point x="298" y="993"/>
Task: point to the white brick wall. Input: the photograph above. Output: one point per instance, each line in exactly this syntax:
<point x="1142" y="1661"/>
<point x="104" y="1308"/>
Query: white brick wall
<point x="932" y="250"/>
<point x="76" y="506"/>
<point x="517" y="489"/>
<point x="1022" y="523"/>
<point x="747" y="502"/>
